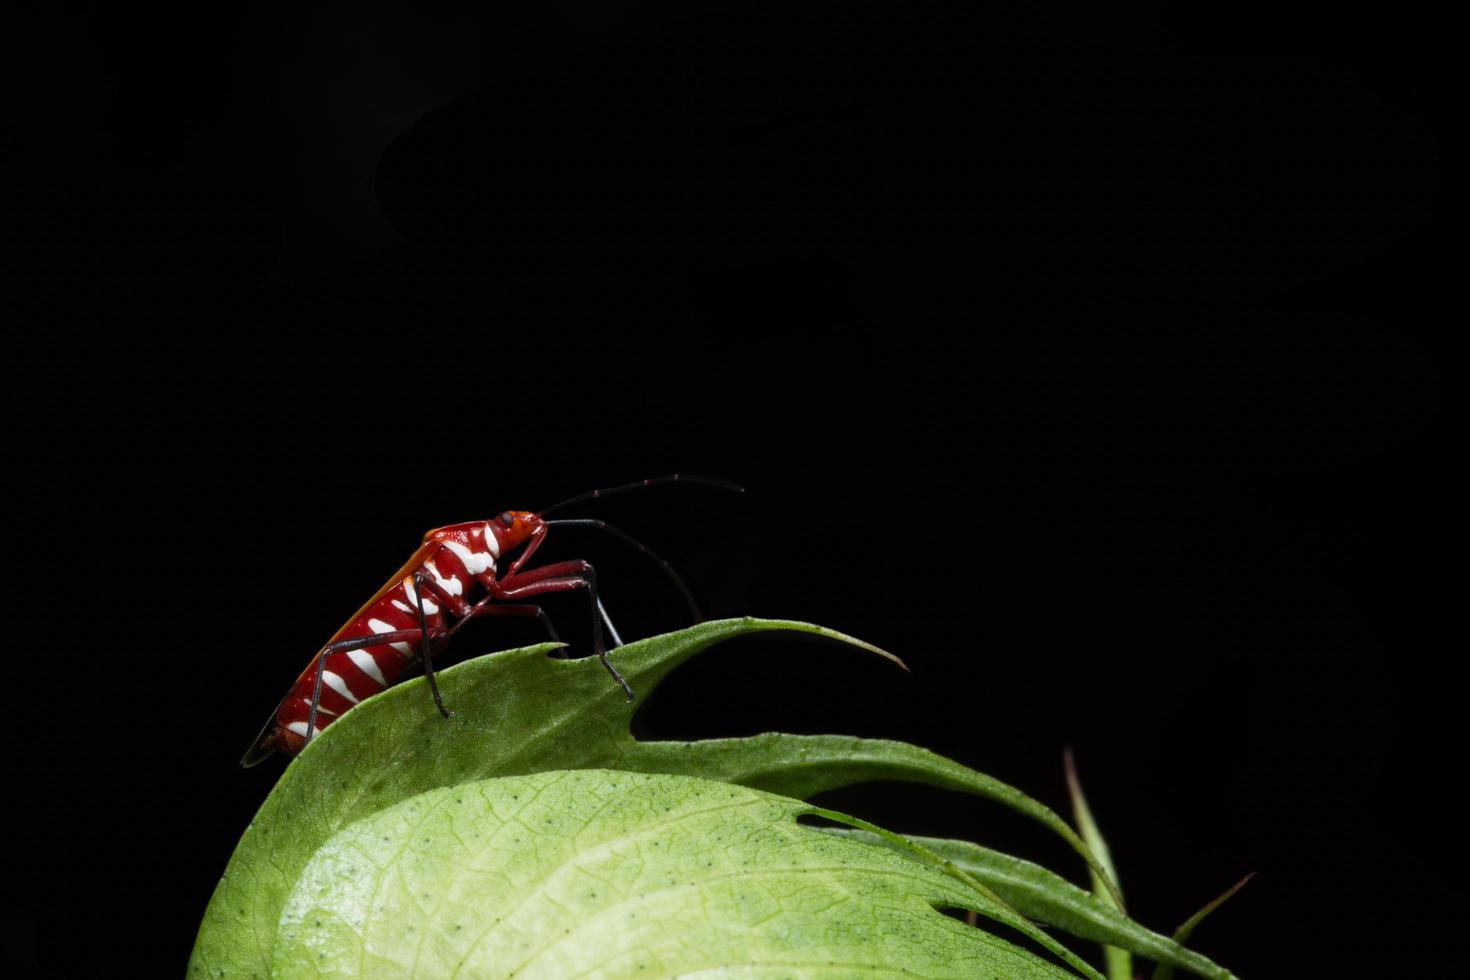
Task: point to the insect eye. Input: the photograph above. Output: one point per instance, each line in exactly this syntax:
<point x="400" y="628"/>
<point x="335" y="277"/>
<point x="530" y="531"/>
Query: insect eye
<point x="506" y="519"/>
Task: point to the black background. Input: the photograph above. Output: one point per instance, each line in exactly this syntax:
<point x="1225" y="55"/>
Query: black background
<point x="1092" y="364"/>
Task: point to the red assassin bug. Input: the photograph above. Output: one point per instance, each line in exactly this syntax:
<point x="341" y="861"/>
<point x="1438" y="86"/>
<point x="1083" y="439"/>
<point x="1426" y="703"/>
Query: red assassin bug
<point x="428" y="600"/>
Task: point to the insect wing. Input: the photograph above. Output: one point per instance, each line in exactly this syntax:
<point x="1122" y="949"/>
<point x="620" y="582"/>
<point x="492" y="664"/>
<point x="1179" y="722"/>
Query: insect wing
<point x="265" y="743"/>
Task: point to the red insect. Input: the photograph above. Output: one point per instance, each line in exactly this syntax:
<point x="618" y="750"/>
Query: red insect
<point x="450" y="580"/>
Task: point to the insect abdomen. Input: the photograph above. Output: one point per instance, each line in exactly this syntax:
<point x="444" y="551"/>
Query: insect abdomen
<point x="351" y="676"/>
<point x="462" y="559"/>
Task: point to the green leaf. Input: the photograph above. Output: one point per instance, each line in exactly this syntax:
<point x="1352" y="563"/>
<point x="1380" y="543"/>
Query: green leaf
<point x="522" y="712"/>
<point x="611" y="873"/>
<point x="1182" y="934"/>
<point x="1120" y="964"/>
<point x="1044" y="897"/>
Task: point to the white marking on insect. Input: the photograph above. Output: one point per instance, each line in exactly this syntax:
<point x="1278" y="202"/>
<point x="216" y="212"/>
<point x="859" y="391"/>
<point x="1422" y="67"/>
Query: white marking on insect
<point x="474" y="562"/>
<point x="450" y="585"/>
<point x="337" y="684"/>
<point x="367" y="665"/>
<point x="299" y="727"/>
<point x="408" y="590"/>
<point x="378" y="626"/>
<point x="320" y="708"/>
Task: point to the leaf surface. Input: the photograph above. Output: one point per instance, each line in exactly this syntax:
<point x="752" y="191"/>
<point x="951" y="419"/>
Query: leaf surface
<point x="521" y="712"/>
<point x="1165" y="971"/>
<point x="564" y="874"/>
<point x="1047" y="898"/>
<point x="1120" y="964"/>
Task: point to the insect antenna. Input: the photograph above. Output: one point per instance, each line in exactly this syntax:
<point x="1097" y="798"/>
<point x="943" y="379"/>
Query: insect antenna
<point x="615" y="532"/>
<point x="709" y="481"/>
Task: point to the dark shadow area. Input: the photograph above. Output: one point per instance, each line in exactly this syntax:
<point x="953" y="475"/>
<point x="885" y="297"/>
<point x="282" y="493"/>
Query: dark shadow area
<point x="1092" y="363"/>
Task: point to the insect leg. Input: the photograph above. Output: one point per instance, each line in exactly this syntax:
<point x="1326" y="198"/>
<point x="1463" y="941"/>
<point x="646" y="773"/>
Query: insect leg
<point x="563" y="577"/>
<point x="560" y="568"/>
<point x="356" y="643"/>
<point x="484" y="608"/>
<point x="425" y="654"/>
<point x="611" y="629"/>
<point x="316" y="694"/>
<point x="537" y="536"/>
<point x="464" y="613"/>
<point x="457" y="607"/>
<point x="573" y="568"/>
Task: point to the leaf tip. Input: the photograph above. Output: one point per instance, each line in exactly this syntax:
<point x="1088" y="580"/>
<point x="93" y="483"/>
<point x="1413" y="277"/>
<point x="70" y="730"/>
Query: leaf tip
<point x="832" y="634"/>
<point x="1069" y="768"/>
<point x="884" y="654"/>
